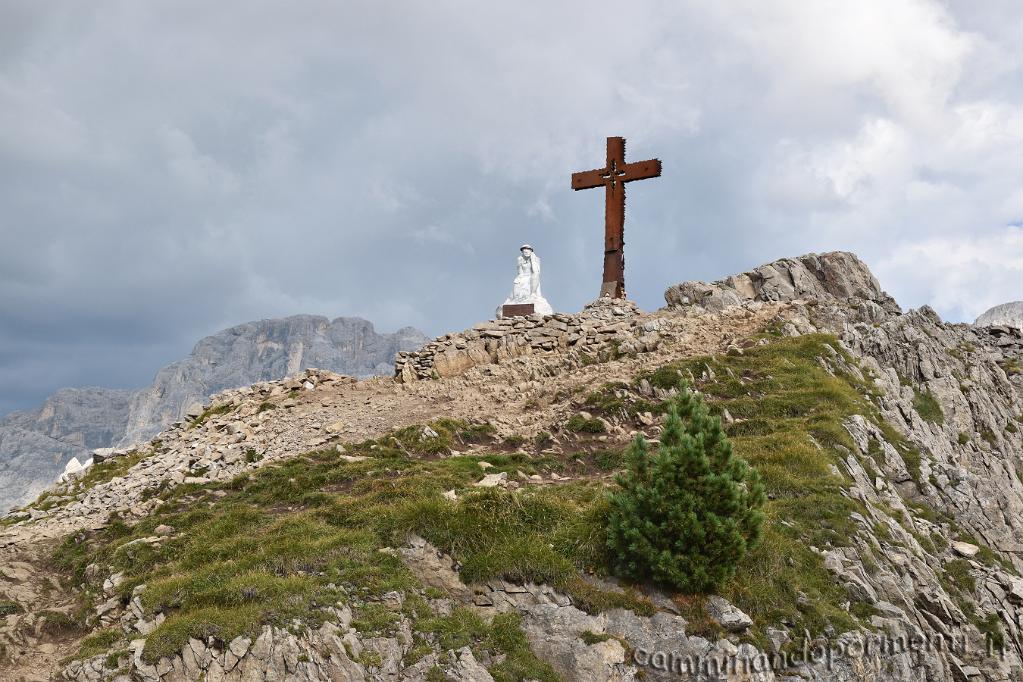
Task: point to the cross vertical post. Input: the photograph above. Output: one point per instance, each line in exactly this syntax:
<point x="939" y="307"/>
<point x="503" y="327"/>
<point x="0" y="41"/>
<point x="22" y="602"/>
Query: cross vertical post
<point x="613" y="177"/>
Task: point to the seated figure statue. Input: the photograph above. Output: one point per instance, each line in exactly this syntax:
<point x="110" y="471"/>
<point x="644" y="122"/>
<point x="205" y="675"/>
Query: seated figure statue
<point x="526" y="287"/>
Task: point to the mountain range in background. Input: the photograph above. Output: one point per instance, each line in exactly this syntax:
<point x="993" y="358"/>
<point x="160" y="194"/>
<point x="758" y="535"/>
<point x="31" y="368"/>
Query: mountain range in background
<point x="36" y="444"/>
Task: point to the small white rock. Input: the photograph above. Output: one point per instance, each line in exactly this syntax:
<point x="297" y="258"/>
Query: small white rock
<point x="965" y="549"/>
<point x="492" y="480"/>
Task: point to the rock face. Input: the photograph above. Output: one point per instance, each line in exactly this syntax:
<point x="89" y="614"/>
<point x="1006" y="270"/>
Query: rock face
<point x="837" y="275"/>
<point x="955" y="392"/>
<point x="36" y="445"/>
<point x="1006" y="314"/>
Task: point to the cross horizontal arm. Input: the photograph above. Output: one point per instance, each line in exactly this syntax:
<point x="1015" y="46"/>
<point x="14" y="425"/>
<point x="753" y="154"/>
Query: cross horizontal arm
<point x="588" y="179"/>
<point x="640" y="170"/>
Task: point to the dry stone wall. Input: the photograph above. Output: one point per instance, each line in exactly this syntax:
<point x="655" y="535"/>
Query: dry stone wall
<point x="605" y="325"/>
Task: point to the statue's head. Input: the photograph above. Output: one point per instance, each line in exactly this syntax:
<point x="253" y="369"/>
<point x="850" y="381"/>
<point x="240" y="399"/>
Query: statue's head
<point x="526" y="250"/>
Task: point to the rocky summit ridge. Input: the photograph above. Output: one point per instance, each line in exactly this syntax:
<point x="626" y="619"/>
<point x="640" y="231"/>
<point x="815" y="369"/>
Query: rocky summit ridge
<point x="440" y="524"/>
<point x="35" y="445"/>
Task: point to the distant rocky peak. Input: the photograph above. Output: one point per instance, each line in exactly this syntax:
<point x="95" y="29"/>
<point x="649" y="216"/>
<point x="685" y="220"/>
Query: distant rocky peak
<point x="263" y="350"/>
<point x="35" y="445"/>
<point x="1004" y="315"/>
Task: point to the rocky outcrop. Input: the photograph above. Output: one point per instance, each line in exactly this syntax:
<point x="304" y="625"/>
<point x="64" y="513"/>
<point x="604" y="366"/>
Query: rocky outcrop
<point x="1006" y="314"/>
<point x="837" y="275"/>
<point x="955" y="394"/>
<point x="36" y="445"/>
<point x="321" y="654"/>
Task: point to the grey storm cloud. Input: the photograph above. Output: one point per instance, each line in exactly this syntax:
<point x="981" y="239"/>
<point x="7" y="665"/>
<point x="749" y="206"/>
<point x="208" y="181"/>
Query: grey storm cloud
<point x="168" y="169"/>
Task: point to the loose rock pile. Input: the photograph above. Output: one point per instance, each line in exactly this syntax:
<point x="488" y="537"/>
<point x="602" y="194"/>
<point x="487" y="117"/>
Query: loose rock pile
<point x="1003" y="336"/>
<point x="603" y="324"/>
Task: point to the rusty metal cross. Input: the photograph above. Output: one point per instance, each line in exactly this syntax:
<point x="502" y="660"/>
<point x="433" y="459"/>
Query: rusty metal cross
<point x="613" y="177"/>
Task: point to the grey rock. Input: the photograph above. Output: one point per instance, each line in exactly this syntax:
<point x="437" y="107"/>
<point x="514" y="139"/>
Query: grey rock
<point x="1006" y="314"/>
<point x="727" y="616"/>
<point x="465" y="668"/>
<point x="553" y="632"/>
<point x="834" y="275"/>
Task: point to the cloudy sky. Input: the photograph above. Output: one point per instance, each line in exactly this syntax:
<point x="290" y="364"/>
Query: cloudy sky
<point x="168" y="169"/>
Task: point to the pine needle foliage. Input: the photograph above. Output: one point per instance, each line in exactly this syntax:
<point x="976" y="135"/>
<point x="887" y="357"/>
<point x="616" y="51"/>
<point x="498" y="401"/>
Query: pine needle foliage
<point x="686" y="515"/>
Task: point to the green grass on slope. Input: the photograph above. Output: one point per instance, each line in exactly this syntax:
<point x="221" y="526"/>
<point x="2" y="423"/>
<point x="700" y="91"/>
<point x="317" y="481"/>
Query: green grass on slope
<point x="112" y="468"/>
<point x="788" y="413"/>
<point x="280" y="545"/>
<point x="928" y="407"/>
<point x="284" y="542"/>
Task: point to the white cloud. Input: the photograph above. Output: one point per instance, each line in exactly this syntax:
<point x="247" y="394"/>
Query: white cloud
<point x="964" y="276"/>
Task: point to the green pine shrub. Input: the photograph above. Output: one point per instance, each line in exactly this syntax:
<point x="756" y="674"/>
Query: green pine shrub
<point x="687" y="515"/>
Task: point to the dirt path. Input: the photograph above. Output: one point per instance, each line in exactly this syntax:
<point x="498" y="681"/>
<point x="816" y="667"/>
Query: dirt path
<point x="33" y="640"/>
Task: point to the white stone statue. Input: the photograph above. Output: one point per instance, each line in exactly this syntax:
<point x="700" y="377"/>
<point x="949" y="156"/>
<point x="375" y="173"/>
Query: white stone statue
<point x="526" y="287"/>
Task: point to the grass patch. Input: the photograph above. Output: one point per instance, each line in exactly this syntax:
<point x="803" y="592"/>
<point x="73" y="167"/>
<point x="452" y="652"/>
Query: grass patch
<point x="577" y="423"/>
<point x="991" y="628"/>
<point x="590" y="638"/>
<point x="8" y="607"/>
<point x="956" y="577"/>
<point x="617" y="400"/>
<point x="1011" y="366"/>
<point x="542" y="535"/>
<point x="698" y="621"/>
<point x="109" y="469"/>
<point x="59" y="624"/>
<point x="609" y="460"/>
<point x="928" y="407"/>
<point x="374" y="619"/>
<point x="439" y="437"/>
<point x="269" y="547"/>
<point x="211" y="411"/>
<point x="543" y="440"/>
<point x="502" y="639"/>
<point x="98" y="643"/>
